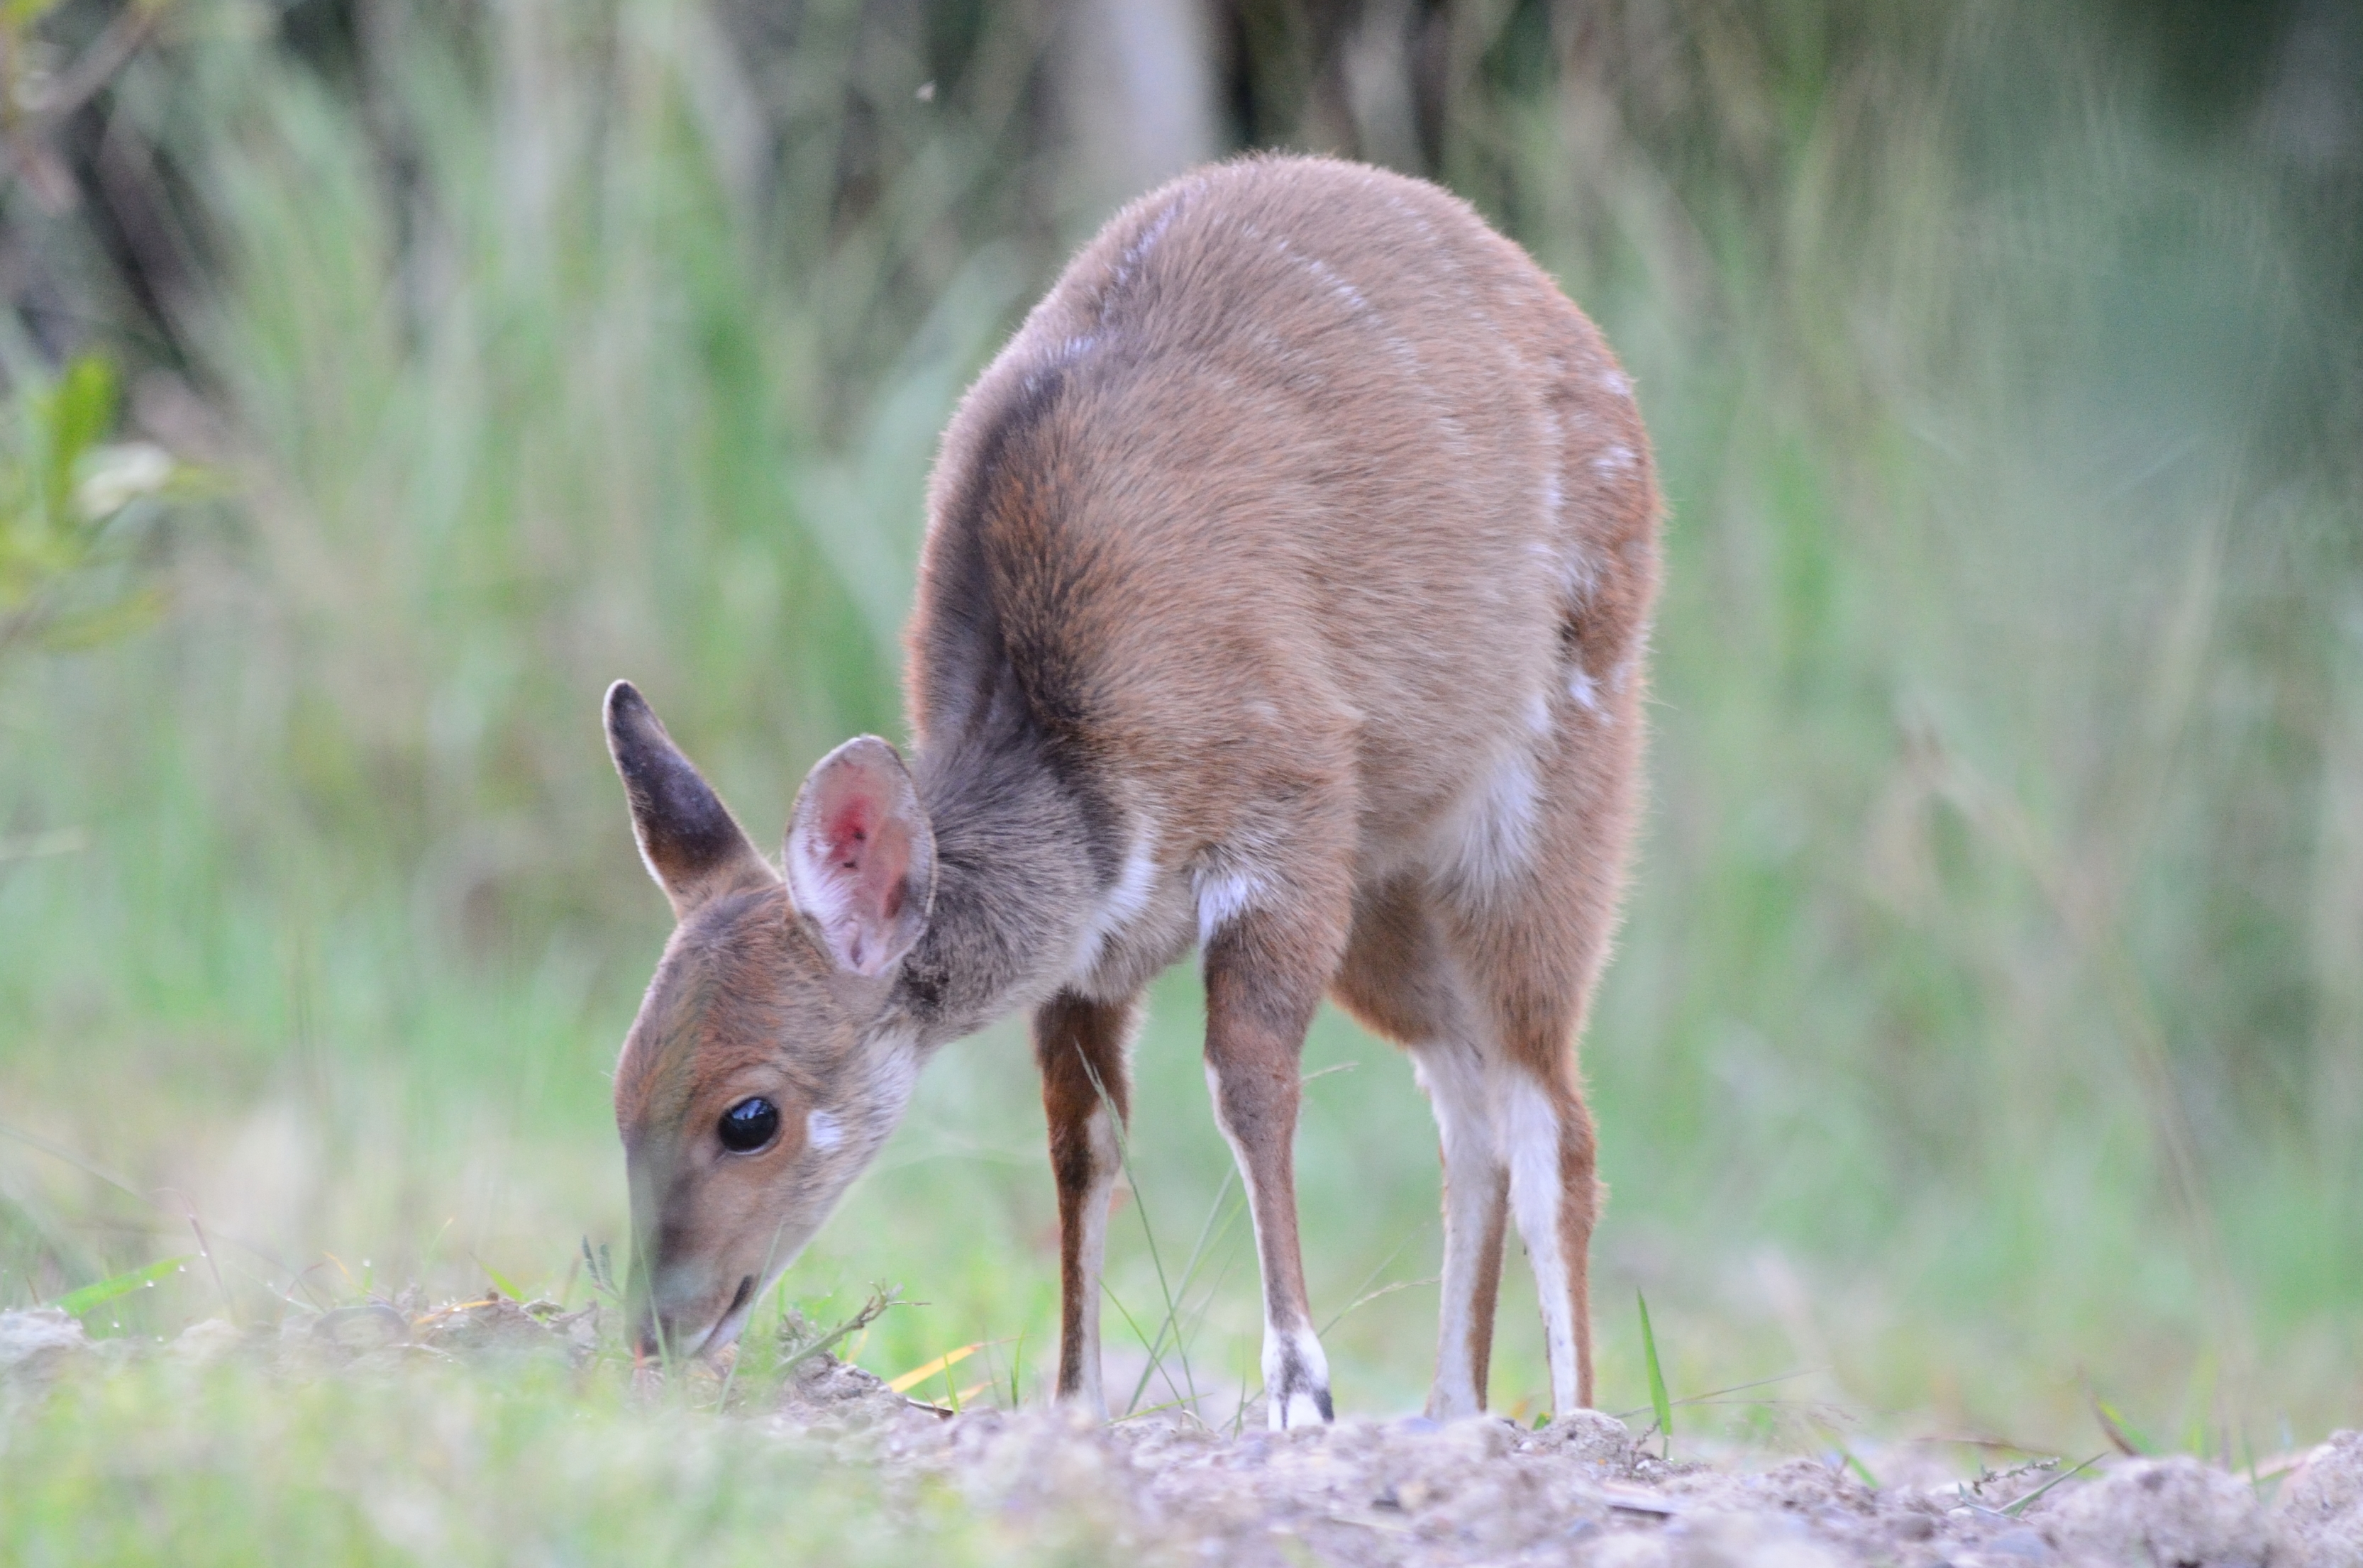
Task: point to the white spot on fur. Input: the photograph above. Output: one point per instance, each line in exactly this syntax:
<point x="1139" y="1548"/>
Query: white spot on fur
<point x="1580" y="686"/>
<point x="1121" y="905"/>
<point x="823" y="1130"/>
<point x="1223" y="897"/>
<point x="1578" y="578"/>
<point x="1539" y="714"/>
<point x="1530" y="1138"/>
<point x="1137" y="251"/>
<point x="1262" y="712"/>
<point x="1491" y="837"/>
<point x="1338" y="287"/>
<point x="1617" y="382"/>
<point x="1554" y="491"/>
<point x="1613" y="461"/>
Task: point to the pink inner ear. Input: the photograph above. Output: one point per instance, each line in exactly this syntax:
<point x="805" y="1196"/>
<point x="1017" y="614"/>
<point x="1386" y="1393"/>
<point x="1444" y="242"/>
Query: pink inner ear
<point x="845" y="830"/>
<point x="870" y="852"/>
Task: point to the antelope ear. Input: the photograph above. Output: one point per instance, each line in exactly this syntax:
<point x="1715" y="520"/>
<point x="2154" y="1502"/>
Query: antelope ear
<point x="693" y="846"/>
<point x="861" y="857"/>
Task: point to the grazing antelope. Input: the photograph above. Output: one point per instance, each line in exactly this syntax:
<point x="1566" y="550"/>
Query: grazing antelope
<point x="1285" y="593"/>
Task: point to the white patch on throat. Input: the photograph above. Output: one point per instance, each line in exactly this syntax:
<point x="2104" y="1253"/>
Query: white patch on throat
<point x="1121" y="905"/>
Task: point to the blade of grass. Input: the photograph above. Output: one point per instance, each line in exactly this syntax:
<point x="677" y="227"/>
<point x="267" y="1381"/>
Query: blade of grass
<point x="500" y="1281"/>
<point x="2020" y="1507"/>
<point x="1659" y="1403"/>
<point x="882" y="1298"/>
<point x="1140" y="1204"/>
<point x="1188" y="1272"/>
<point x="77" y="1302"/>
<point x="2121" y="1433"/>
<point x="920" y="1374"/>
<point x="1116" y="1302"/>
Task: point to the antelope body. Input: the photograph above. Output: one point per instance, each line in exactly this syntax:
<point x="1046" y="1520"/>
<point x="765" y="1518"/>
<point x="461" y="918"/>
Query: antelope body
<point x="1285" y="594"/>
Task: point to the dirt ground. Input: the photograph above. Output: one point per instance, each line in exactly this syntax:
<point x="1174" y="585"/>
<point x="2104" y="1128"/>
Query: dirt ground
<point x="1407" y="1491"/>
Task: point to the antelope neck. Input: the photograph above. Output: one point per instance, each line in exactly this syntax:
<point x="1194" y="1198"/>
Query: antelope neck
<point x="1024" y="845"/>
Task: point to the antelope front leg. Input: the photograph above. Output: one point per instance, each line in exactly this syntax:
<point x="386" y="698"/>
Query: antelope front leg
<point x="1080" y="1045"/>
<point x="1255" y="1042"/>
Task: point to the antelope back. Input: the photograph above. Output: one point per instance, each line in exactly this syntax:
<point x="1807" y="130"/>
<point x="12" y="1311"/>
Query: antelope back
<point x="1300" y="468"/>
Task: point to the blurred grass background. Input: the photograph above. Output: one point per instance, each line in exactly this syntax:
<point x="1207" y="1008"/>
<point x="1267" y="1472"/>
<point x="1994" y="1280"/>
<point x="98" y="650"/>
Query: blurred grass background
<point x="1988" y="1026"/>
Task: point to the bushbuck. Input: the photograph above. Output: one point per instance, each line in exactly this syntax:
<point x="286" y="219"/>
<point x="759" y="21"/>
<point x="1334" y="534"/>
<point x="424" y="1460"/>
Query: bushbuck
<point x="1285" y="594"/>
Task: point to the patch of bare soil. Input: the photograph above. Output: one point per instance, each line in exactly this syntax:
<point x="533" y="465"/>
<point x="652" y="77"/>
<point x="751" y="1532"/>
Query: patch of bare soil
<point x="1409" y="1493"/>
<point x="1419" y="1495"/>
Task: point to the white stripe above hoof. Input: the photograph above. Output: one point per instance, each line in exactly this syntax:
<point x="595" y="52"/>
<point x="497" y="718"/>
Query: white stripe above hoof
<point x="1295" y="1379"/>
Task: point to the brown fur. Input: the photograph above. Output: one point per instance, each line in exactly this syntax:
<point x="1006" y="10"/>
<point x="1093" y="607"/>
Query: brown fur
<point x="1286" y="591"/>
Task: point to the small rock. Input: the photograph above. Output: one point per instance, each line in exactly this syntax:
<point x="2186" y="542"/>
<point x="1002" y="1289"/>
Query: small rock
<point x="36" y="1345"/>
<point x="2019" y="1541"/>
<point x="1592" y="1435"/>
<point x="206" y="1341"/>
<point x="360" y="1330"/>
<point x="2317" y="1522"/>
<point x="2176" y="1511"/>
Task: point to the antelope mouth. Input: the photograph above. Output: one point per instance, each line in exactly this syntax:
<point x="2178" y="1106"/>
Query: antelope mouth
<point x="734" y="1317"/>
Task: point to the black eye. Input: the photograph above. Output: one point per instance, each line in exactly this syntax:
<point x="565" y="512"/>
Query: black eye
<point x="748" y="1126"/>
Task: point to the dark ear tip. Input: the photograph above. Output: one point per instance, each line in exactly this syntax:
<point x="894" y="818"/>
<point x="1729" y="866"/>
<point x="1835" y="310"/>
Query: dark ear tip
<point x="622" y="698"/>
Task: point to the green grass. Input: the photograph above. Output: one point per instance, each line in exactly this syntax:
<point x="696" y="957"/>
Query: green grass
<point x="455" y="1467"/>
<point x="1985" y="1029"/>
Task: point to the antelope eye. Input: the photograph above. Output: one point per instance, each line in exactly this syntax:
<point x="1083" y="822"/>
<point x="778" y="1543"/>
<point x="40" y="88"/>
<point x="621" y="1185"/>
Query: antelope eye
<point x="748" y="1126"/>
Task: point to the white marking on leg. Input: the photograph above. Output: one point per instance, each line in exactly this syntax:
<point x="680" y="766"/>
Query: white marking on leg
<point x="1295" y="1377"/>
<point x="1296" y="1371"/>
<point x="1092" y="1255"/>
<point x="1530" y="1136"/>
<point x="1454" y="1081"/>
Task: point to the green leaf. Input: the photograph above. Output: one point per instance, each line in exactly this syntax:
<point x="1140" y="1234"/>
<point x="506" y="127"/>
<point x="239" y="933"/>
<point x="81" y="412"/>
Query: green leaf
<point x="77" y="1302"/>
<point x="2128" y="1439"/>
<point x="1657" y="1400"/>
<point x="78" y="412"/>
